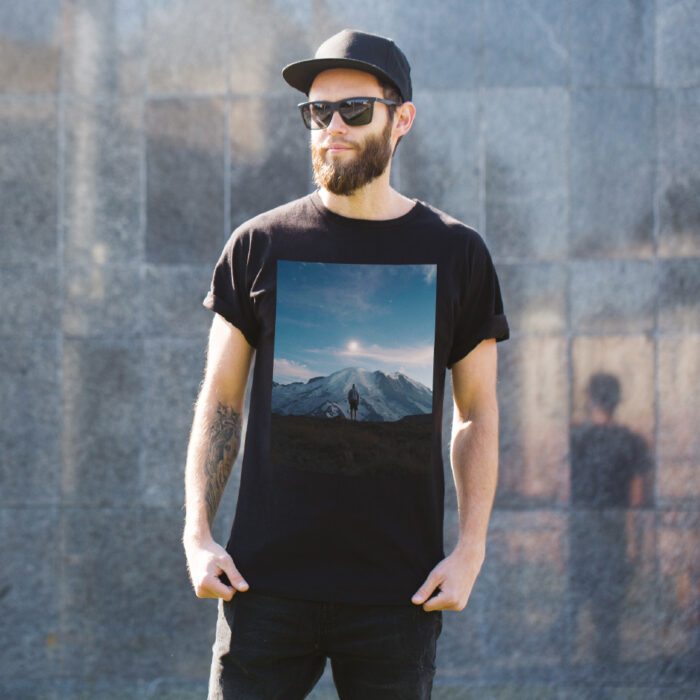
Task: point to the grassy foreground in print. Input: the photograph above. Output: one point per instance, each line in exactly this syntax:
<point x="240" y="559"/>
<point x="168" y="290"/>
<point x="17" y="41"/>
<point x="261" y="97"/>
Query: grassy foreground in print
<point x="359" y="448"/>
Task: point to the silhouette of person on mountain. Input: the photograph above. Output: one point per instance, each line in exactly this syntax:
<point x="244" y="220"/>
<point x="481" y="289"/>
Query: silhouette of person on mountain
<point x="354" y="401"/>
<point x="608" y="464"/>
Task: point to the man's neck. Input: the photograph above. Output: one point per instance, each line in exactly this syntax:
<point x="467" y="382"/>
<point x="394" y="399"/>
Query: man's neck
<point x="376" y="200"/>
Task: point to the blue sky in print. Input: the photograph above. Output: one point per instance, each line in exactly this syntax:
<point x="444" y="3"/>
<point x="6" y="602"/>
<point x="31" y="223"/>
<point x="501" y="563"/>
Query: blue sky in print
<point x="331" y="316"/>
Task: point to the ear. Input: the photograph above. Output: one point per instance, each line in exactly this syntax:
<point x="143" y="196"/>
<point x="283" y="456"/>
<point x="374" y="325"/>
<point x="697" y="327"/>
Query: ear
<point x="403" y="118"/>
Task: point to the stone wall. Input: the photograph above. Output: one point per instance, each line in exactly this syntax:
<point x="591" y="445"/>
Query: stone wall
<point x="136" y="134"/>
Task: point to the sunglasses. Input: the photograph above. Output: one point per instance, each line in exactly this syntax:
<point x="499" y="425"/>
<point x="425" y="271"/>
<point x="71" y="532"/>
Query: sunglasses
<point x="354" y="111"/>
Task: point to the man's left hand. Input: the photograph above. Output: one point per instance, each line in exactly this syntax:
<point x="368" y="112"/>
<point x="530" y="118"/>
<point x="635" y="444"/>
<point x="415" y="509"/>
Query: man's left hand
<point x="454" y="578"/>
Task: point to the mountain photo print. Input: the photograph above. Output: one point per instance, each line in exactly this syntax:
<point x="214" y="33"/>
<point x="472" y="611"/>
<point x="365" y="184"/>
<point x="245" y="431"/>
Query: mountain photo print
<point x="353" y="368"/>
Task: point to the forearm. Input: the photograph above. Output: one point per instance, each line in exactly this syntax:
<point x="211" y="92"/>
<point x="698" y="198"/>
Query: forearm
<point x="213" y="447"/>
<point x="475" y="468"/>
<point x="474" y="457"/>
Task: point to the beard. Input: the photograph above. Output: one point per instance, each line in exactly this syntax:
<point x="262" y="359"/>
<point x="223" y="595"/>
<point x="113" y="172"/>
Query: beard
<point x="370" y="161"/>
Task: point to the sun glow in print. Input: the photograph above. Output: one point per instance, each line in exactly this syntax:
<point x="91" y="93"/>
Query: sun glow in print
<point x="353" y="346"/>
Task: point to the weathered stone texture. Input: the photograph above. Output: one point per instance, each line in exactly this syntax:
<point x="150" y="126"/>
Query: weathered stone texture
<point x="135" y="135"/>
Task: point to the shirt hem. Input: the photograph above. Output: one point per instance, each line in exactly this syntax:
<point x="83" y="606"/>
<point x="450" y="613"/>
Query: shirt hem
<point x="351" y="597"/>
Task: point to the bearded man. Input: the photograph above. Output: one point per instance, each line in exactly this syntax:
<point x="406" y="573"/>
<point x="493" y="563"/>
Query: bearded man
<point x="326" y="560"/>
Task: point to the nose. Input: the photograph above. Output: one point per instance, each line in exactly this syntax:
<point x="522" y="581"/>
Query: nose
<point x="336" y="125"/>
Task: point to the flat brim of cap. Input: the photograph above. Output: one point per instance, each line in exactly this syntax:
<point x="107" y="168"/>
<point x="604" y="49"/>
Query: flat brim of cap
<point x="301" y="75"/>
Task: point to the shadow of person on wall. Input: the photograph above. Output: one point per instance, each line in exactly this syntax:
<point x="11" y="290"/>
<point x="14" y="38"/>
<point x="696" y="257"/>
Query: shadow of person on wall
<point x="608" y="467"/>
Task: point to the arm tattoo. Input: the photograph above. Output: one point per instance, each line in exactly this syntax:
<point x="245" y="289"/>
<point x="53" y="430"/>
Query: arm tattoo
<point x="224" y="442"/>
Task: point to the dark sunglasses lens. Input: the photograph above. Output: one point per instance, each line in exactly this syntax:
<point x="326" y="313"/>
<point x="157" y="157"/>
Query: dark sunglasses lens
<point x="320" y="115"/>
<point x="356" y="112"/>
<point x="309" y="113"/>
<point x="306" y="115"/>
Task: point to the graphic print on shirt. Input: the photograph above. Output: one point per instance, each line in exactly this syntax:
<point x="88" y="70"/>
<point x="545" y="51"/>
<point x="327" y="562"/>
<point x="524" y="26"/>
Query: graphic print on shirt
<point x="353" y="368"/>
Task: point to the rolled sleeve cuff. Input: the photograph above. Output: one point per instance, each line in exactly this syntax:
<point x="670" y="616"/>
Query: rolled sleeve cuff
<point x="229" y="312"/>
<point x="495" y="327"/>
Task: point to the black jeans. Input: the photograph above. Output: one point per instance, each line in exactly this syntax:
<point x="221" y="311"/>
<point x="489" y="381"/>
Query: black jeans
<point x="271" y="647"/>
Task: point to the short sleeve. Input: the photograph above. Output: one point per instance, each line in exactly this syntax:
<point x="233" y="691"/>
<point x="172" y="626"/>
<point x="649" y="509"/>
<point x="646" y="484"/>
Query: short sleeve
<point x="479" y="307"/>
<point x="230" y="291"/>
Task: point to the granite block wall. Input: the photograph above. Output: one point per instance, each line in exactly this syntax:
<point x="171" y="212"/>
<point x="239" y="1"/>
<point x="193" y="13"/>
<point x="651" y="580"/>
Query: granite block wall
<point x="136" y="134"/>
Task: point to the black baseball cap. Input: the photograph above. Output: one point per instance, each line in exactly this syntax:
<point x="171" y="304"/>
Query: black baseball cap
<point x="370" y="53"/>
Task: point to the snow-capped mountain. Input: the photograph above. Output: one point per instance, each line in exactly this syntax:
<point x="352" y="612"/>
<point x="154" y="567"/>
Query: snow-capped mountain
<point x="383" y="397"/>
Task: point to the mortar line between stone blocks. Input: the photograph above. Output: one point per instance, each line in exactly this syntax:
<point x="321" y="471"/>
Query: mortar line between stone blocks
<point x="656" y="223"/>
<point x="654" y="47"/>
<point x="142" y="140"/>
<point x="143" y="223"/>
<point x="568" y="328"/>
<point x="60" y="241"/>
<point x="217" y="94"/>
<point x="480" y="135"/>
<point x="12" y="97"/>
<point x="480" y="48"/>
<point x="227" y="130"/>
<point x="60" y="222"/>
<point x="227" y="170"/>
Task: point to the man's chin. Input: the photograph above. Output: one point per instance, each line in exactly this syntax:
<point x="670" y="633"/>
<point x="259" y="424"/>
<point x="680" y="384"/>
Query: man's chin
<point x="344" y="184"/>
<point x="335" y="155"/>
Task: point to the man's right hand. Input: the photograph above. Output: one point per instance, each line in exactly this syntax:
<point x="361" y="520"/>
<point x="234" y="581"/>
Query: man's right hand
<point x="206" y="561"/>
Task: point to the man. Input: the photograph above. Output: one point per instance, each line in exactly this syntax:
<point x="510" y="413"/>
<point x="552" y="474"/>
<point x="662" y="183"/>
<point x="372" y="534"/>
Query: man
<point x="354" y="401"/>
<point x="322" y="563"/>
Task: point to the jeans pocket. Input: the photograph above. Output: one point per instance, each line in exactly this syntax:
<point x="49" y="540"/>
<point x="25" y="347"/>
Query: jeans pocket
<point x="419" y="637"/>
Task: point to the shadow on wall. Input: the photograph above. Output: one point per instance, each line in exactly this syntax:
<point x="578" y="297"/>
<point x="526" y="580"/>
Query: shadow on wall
<point x="604" y="587"/>
<point x="611" y="471"/>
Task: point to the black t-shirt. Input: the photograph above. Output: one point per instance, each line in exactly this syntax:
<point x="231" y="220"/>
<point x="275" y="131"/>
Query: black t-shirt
<point x="332" y="507"/>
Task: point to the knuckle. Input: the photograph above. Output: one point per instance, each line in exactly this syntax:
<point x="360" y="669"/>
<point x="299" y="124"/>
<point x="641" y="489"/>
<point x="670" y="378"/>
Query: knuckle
<point x="202" y="589"/>
<point x="455" y="603"/>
